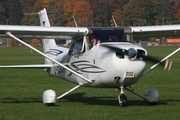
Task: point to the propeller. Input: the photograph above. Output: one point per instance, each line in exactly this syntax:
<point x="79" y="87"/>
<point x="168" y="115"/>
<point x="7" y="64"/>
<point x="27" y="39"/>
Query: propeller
<point x="133" y="54"/>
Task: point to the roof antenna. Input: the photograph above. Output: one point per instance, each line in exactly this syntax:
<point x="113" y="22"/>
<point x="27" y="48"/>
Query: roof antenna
<point x="114" y="21"/>
<point x="75" y="21"/>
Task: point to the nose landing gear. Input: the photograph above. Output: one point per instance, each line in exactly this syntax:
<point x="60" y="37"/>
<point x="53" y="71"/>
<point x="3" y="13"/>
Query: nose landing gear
<point x="122" y="98"/>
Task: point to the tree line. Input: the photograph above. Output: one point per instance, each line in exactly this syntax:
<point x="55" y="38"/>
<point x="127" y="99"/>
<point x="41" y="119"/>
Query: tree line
<point x="92" y="12"/>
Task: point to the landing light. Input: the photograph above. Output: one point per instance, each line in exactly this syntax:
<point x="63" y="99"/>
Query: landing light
<point x="129" y="74"/>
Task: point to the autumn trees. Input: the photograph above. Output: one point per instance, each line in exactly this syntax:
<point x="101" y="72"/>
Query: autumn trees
<point x="149" y="12"/>
<point x="10" y="12"/>
<point x="3" y="19"/>
<point x="92" y="12"/>
<point x="177" y="9"/>
<point x="80" y="10"/>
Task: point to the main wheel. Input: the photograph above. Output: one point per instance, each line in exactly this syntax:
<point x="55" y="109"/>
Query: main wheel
<point x="122" y="100"/>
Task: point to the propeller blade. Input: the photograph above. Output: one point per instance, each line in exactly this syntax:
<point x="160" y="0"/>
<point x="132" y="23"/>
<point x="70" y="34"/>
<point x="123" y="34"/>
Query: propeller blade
<point x="148" y="58"/>
<point x="116" y="49"/>
<point x="131" y="52"/>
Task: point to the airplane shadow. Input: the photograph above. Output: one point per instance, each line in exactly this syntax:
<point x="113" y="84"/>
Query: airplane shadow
<point x="22" y="100"/>
<point x="80" y="97"/>
<point x="109" y="101"/>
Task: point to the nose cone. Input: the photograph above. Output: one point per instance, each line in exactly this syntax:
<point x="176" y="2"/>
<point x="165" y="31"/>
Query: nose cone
<point x="132" y="53"/>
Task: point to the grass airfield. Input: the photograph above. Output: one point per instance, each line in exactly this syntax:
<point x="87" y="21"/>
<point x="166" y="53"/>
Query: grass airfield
<point x="21" y="92"/>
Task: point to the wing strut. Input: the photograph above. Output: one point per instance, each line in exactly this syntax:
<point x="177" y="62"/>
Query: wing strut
<point x="41" y="53"/>
<point x="74" y="88"/>
<point x="165" y="58"/>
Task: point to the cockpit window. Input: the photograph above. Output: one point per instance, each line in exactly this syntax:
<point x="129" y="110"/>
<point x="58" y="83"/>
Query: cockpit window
<point x="109" y="34"/>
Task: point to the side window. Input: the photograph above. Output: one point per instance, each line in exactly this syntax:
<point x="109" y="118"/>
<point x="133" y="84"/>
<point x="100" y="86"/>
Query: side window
<point x="71" y="49"/>
<point x="75" y="48"/>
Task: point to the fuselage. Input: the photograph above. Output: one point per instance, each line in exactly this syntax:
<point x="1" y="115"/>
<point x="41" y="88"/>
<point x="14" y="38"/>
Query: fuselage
<point x="106" y="55"/>
<point x="103" y="65"/>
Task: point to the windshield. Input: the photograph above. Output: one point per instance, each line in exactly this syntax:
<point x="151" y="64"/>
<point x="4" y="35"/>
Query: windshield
<point x="108" y="34"/>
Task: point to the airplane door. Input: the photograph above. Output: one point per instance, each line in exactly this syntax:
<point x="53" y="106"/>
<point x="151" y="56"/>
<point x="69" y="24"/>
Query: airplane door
<point x="77" y="59"/>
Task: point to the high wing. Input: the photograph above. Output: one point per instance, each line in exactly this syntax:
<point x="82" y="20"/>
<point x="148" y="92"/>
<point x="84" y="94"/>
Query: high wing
<point x="76" y="32"/>
<point x="49" y="46"/>
<point x="154" y="31"/>
<point x="43" y="31"/>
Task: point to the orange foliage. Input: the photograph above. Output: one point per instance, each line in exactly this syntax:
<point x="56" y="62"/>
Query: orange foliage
<point x="13" y="43"/>
<point x="33" y="19"/>
<point x="83" y="13"/>
<point x="68" y="6"/>
<point x="117" y="14"/>
<point x="177" y="8"/>
<point x="36" y="43"/>
<point x="153" y="39"/>
<point x="81" y="10"/>
<point x="37" y="5"/>
<point x="40" y="4"/>
<point x="45" y="3"/>
<point x="156" y="20"/>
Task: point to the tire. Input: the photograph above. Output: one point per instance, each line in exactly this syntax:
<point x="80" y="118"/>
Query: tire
<point x="122" y="100"/>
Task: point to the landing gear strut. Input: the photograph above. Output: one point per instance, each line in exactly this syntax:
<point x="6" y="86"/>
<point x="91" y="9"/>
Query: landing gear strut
<point x="122" y="96"/>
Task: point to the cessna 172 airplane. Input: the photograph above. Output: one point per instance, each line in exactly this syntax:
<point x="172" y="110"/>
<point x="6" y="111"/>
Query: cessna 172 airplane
<point x="100" y="57"/>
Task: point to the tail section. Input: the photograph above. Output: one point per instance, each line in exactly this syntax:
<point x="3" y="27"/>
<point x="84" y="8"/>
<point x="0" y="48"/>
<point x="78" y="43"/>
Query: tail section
<point x="49" y="45"/>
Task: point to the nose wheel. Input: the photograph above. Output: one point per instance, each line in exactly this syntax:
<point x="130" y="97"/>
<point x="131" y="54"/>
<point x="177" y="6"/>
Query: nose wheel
<point x="122" y="98"/>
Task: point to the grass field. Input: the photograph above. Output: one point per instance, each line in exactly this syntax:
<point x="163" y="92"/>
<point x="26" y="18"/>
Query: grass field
<point x="21" y="92"/>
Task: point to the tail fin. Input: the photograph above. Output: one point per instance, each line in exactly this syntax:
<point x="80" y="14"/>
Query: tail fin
<point x="49" y="45"/>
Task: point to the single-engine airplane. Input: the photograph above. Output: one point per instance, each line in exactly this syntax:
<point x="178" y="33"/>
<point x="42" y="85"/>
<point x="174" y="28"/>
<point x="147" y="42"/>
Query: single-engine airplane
<point x="100" y="57"/>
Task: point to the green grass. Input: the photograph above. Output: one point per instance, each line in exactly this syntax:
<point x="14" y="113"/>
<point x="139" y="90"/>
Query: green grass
<point x="21" y="92"/>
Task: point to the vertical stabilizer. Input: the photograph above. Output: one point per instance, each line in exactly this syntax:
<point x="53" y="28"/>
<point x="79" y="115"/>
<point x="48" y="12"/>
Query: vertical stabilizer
<point x="49" y="45"/>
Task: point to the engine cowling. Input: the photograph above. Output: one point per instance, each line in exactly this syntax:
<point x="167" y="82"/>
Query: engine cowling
<point x="152" y="96"/>
<point x="49" y="97"/>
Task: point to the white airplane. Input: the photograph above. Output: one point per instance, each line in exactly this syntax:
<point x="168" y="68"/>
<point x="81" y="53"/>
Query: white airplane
<point x="99" y="57"/>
